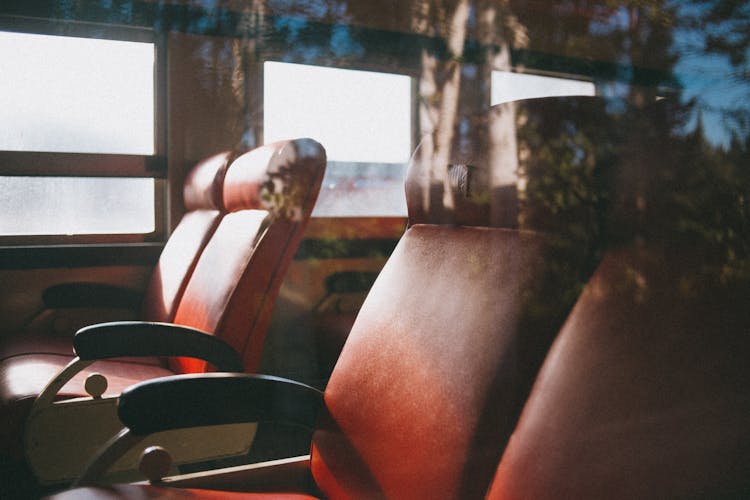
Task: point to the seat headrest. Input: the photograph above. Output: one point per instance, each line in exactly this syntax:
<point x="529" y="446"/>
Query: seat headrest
<point x="428" y="203"/>
<point x="204" y="184"/>
<point x="499" y="178"/>
<point x="278" y="177"/>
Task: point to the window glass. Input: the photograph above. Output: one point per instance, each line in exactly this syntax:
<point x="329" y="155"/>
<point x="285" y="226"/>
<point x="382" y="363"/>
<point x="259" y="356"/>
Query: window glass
<point x="508" y="86"/>
<point x="362" y="118"/>
<point x="68" y="94"/>
<point x="76" y="205"/>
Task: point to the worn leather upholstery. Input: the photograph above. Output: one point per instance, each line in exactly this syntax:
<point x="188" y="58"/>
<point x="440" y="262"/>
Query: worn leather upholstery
<point x="644" y="393"/>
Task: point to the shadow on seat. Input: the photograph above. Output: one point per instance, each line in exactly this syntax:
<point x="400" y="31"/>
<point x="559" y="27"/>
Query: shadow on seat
<point x="210" y="297"/>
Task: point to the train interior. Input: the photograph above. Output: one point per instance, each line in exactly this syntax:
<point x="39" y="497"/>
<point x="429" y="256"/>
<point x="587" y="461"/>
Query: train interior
<point x="533" y="218"/>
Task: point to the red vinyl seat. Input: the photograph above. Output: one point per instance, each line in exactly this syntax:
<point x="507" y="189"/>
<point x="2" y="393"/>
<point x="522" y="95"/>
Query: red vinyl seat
<point x="216" y="281"/>
<point x="269" y="194"/>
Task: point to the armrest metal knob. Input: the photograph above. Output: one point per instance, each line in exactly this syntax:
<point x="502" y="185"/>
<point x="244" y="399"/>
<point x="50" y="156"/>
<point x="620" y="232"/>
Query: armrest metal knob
<point x="155" y="463"/>
<point x="95" y="385"/>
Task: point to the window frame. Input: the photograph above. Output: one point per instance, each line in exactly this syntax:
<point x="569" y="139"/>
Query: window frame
<point x="97" y="165"/>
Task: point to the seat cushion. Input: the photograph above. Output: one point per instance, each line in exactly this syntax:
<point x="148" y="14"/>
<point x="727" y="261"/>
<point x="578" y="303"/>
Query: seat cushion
<point x="26" y="343"/>
<point x="35" y="342"/>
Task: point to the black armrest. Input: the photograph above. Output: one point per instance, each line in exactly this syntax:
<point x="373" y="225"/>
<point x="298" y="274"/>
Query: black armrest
<point x="138" y="338"/>
<point x="198" y="400"/>
<point x="67" y="295"/>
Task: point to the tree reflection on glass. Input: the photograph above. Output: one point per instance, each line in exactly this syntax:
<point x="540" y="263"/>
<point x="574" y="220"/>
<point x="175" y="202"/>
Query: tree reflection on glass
<point x="677" y="170"/>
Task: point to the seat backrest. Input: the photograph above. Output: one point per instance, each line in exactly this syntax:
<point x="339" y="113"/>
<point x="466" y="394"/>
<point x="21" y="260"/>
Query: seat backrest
<point x="644" y="393"/>
<point x="202" y="196"/>
<point x="438" y="362"/>
<point x="268" y="195"/>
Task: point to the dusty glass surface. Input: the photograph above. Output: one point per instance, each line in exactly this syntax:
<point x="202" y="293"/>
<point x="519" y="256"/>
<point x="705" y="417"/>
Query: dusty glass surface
<point x="76" y="205"/>
<point x="72" y="94"/>
<point x="81" y="95"/>
<point x="364" y="118"/>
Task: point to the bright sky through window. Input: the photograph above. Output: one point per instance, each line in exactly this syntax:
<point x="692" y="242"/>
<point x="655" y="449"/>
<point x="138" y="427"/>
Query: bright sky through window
<point x="67" y="94"/>
<point x="358" y="116"/>
<point x="507" y="86"/>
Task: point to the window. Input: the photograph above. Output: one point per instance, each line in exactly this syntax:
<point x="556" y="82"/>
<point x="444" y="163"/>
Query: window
<point x="507" y="86"/>
<point x="364" y="120"/>
<point x="81" y="95"/>
<point x="77" y="118"/>
<point x="76" y="205"/>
